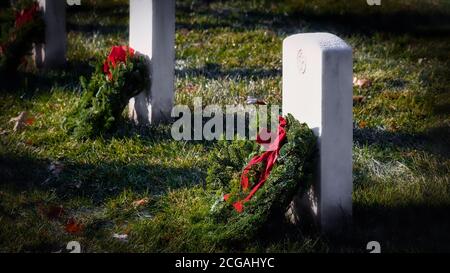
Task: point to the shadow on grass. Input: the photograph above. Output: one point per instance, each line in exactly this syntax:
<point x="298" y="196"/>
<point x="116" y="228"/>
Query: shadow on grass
<point x="215" y="71"/>
<point x="432" y="26"/>
<point x="103" y="8"/>
<point x="103" y="30"/>
<point x="411" y="227"/>
<point x="366" y="22"/>
<point x="114" y="11"/>
<point x="435" y="24"/>
<point x="22" y="171"/>
<point x="97" y="182"/>
<point x="67" y="78"/>
<point x="434" y="140"/>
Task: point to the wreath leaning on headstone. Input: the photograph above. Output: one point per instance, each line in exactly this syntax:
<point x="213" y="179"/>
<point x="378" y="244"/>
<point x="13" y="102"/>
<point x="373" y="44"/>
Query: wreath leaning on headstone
<point x="123" y="75"/>
<point x="22" y="25"/>
<point x="255" y="198"/>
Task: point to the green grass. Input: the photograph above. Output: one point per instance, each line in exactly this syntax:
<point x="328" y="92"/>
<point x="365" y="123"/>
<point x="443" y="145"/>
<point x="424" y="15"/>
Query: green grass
<point x="227" y="50"/>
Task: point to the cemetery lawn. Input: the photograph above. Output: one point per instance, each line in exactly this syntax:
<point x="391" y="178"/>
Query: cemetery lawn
<point x="140" y="183"/>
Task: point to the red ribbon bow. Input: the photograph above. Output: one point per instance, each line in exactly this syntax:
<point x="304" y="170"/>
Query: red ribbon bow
<point x="269" y="158"/>
<point x="118" y="54"/>
<point x="27" y="15"/>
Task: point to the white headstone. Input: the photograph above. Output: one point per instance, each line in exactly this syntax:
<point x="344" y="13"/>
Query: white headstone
<point x="52" y="54"/>
<point x="152" y="32"/>
<point x="317" y="90"/>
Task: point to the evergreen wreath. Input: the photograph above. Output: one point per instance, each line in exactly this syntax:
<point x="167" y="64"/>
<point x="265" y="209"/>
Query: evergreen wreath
<point x="266" y="208"/>
<point x="123" y="75"/>
<point x="21" y="25"/>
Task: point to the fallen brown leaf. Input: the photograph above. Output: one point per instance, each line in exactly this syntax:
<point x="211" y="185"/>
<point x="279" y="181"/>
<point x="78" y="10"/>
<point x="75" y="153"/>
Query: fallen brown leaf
<point x="121" y="237"/>
<point x="362" y="124"/>
<point x="393" y="127"/>
<point x="190" y="88"/>
<point x="30" y="121"/>
<point x="73" y="227"/>
<point x="141" y="202"/>
<point x="359" y="99"/>
<point x="362" y="83"/>
<point x="253" y="100"/>
<point x="19" y="121"/>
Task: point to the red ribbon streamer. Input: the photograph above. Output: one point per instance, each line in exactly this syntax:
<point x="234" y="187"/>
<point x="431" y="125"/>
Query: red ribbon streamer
<point x="118" y="54"/>
<point x="269" y="158"/>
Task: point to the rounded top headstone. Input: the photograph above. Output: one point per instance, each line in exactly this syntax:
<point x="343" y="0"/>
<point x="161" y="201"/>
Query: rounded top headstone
<point x="322" y="40"/>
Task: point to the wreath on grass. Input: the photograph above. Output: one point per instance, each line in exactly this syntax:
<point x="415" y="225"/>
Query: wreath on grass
<point x="22" y="25"/>
<point x="255" y="198"/>
<point x="123" y="75"/>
